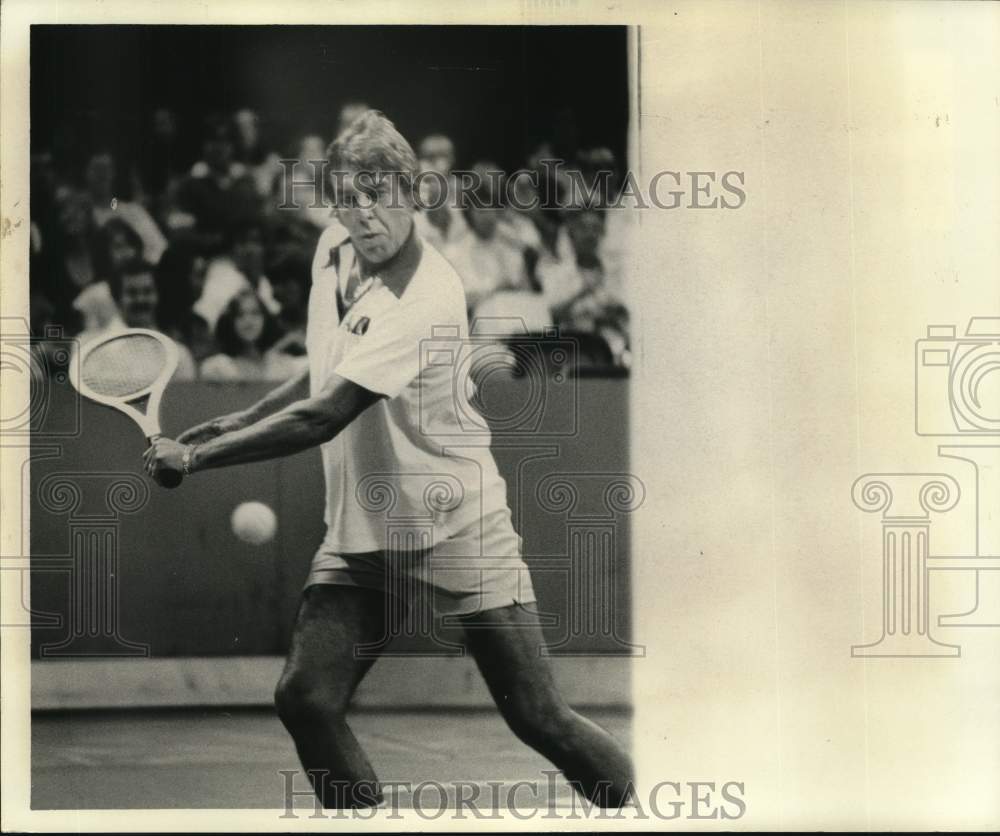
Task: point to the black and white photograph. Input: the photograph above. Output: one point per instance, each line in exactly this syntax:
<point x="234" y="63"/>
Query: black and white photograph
<point x="542" y="416"/>
<point x="370" y="324"/>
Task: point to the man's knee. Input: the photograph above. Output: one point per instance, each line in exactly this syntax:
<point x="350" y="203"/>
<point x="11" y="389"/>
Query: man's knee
<point x="304" y="699"/>
<point x="539" y="720"/>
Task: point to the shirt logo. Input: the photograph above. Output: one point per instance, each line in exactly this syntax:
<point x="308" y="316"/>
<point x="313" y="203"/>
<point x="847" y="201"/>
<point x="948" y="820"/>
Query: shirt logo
<point x="359" y="326"/>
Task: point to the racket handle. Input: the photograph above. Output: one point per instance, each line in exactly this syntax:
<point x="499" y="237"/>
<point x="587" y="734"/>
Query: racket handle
<point x="169" y="478"/>
<point x="166" y="478"/>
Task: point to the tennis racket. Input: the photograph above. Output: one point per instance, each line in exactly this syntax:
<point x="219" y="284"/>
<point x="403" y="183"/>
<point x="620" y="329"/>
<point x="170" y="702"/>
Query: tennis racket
<point x="128" y="371"/>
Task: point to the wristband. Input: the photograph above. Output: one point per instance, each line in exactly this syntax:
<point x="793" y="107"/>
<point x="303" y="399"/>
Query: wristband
<point x="186" y="459"/>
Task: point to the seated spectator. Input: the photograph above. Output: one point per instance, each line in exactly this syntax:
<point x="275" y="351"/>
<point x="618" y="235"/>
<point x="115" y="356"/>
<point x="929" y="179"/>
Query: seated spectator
<point x="290" y="276"/>
<point x="241" y="267"/>
<point x="137" y="297"/>
<point x="180" y="278"/>
<point x="67" y="259"/>
<point x="117" y="244"/>
<point x="98" y="311"/>
<point x="440" y="222"/>
<point x="582" y="295"/>
<point x="250" y="151"/>
<point x="306" y="191"/>
<point x="100" y="178"/>
<point x="437" y="152"/>
<point x="216" y="196"/>
<point x="162" y="164"/>
<point x="599" y="172"/>
<point x="244" y="332"/>
<point x="489" y="260"/>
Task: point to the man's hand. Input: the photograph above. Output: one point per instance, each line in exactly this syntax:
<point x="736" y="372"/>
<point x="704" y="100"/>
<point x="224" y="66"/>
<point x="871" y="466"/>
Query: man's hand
<point x="164" y="454"/>
<point x="214" y="428"/>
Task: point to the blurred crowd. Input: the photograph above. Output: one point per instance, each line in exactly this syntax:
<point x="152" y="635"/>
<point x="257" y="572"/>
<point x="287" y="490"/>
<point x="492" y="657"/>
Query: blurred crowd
<point x="203" y="247"/>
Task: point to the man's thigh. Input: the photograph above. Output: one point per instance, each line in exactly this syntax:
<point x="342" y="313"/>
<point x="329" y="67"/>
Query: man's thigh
<point x="507" y="643"/>
<point x="334" y="626"/>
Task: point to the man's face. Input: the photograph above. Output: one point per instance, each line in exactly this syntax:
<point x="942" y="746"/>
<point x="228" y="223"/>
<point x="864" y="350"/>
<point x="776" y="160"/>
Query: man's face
<point x="139" y="300"/>
<point x="121" y="250"/>
<point x="376" y="213"/>
<point x="586" y="229"/>
<point x="218" y="151"/>
<point x="437" y="153"/>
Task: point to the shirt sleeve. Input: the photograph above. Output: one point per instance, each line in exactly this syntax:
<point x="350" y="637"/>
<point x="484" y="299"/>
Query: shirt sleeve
<point x="387" y="357"/>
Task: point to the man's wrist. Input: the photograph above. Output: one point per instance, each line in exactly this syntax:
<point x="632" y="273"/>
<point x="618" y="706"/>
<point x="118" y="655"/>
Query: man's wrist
<point x="189" y="462"/>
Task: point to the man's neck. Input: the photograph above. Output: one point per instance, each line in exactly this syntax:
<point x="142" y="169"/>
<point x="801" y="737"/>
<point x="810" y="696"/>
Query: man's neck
<point x="397" y="270"/>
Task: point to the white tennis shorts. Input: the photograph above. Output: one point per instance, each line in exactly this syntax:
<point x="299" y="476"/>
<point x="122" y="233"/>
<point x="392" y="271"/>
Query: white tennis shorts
<point x="479" y="568"/>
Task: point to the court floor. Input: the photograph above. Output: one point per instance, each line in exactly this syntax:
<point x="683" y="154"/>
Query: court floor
<point x="233" y="759"/>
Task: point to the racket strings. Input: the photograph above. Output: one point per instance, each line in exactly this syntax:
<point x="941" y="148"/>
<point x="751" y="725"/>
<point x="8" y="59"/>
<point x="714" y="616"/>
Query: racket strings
<point x="123" y="366"/>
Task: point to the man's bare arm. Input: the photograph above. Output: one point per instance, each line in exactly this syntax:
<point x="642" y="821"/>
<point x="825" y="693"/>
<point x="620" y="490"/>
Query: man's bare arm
<point x="300" y="425"/>
<point x="278" y="398"/>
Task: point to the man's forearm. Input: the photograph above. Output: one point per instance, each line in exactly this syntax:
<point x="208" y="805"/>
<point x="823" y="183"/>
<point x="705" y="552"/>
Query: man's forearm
<point x="303" y="424"/>
<point x="278" y="398"/>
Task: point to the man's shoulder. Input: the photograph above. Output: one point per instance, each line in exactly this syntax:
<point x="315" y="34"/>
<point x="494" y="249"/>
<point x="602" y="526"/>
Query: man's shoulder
<point x="333" y="235"/>
<point x="435" y="278"/>
<point x="331" y="239"/>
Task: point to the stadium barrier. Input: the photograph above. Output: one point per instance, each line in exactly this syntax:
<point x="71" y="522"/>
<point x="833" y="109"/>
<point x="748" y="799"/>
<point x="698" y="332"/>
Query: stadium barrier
<point x="142" y="596"/>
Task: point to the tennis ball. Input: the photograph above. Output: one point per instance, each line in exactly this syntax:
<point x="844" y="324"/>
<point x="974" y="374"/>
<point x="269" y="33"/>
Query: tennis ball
<point x="254" y="523"/>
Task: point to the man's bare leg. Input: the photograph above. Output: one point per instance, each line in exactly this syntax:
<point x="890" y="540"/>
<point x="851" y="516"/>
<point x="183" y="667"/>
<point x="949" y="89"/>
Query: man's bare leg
<point x="520" y="681"/>
<point x="320" y="677"/>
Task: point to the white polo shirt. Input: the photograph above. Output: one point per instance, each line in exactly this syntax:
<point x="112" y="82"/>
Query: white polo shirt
<point x="417" y="461"/>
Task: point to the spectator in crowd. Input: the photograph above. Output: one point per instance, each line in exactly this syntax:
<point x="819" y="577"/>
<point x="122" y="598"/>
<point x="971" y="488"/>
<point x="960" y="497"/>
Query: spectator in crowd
<point x="162" y="163"/>
<point x="117" y="244"/>
<point x="216" y="196"/>
<point x="244" y="333"/>
<point x="437" y="152"/>
<point x="582" y="296"/>
<point x="135" y="293"/>
<point x="240" y="267"/>
<point x="68" y="259"/>
<point x="250" y="151"/>
<point x="490" y="259"/>
<point x="180" y="279"/>
<point x="100" y="179"/>
<point x="306" y="191"/>
<point x="599" y="174"/>
<point x="440" y="222"/>
<point x="290" y="276"/>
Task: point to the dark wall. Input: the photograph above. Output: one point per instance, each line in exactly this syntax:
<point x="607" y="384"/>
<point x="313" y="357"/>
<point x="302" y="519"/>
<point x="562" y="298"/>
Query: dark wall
<point x="184" y="585"/>
<point x="496" y="90"/>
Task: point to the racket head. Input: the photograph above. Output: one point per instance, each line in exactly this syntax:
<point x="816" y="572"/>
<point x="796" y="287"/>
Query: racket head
<point x="127" y="370"/>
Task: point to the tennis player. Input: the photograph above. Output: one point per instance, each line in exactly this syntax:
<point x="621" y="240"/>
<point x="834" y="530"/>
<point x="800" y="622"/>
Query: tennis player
<point x="384" y="421"/>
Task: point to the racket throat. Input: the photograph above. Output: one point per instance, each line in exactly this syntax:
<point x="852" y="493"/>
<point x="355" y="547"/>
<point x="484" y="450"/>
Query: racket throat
<point x="140" y="404"/>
